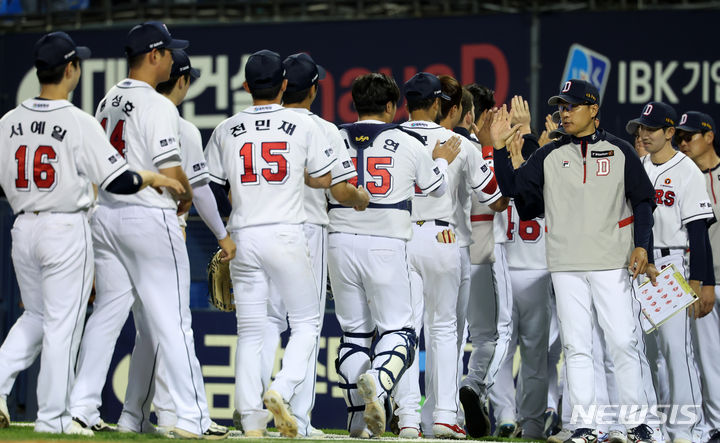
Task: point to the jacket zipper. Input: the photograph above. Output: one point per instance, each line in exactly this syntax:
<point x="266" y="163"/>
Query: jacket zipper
<point x="583" y="146"/>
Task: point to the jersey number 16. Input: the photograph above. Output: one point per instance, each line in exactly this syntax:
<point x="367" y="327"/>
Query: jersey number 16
<point x="43" y="172"/>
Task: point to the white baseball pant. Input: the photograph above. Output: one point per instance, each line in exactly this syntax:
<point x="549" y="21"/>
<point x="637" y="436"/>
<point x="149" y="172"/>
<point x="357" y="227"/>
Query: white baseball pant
<point x="706" y="340"/>
<point x="609" y="292"/>
<point x="276" y="253"/>
<point x="554" y="351"/>
<point x="302" y="402"/>
<point x="53" y="259"/>
<point x="140" y="251"/>
<point x="530" y="327"/>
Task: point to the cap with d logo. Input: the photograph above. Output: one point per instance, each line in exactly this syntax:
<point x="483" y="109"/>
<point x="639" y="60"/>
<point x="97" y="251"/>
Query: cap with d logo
<point x="576" y="92"/>
<point x="423" y="86"/>
<point x="150" y="35"/>
<point x="654" y="115"/>
<point x="694" y="121"/>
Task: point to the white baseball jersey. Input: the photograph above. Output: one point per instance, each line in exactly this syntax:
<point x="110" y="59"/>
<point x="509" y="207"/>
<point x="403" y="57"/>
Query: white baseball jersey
<point x="263" y="152"/>
<point x="389" y="168"/>
<point x="129" y="115"/>
<point x="462" y="204"/>
<point x="680" y="196"/>
<point x="191" y="151"/>
<point x="525" y="241"/>
<point x="481" y="221"/>
<point x="52" y="152"/>
<point x="712" y="184"/>
<point x="344" y="169"/>
<point x="466" y="167"/>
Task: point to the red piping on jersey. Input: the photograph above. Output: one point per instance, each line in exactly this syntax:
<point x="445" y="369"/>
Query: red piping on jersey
<point x="626" y="221"/>
<point x="712" y="188"/>
<point x="482" y="217"/>
<point x="583" y="146"/>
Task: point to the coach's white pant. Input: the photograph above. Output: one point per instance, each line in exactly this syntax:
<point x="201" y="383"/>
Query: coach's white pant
<point x="302" y="402"/>
<point x="554" y="351"/>
<point x="609" y="293"/>
<point x="435" y="274"/>
<point x="276" y="253"/>
<point x="140" y="251"/>
<point x="53" y="259"/>
<point x="530" y="327"/>
<point x="706" y="340"/>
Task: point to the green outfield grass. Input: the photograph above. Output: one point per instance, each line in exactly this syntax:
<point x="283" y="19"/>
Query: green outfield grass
<point x="24" y="432"/>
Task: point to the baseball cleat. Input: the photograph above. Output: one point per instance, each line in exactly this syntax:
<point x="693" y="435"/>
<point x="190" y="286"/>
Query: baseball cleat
<point x="477" y="419"/>
<point x="444" y="430"/>
<point x="215" y="432"/>
<point x="284" y="420"/>
<point x="583" y="435"/>
<point x="374" y="410"/>
<point x="237" y="420"/>
<point x="409" y="432"/>
<point x="314" y="432"/>
<point x="507" y="429"/>
<point x="616" y="437"/>
<point x="561" y="436"/>
<point x="641" y="434"/>
<point x="714" y="436"/>
<point x="552" y="422"/>
<point x="181" y="434"/>
<point x="76" y="428"/>
<point x="256" y="433"/>
<point x="4" y="414"/>
<point x="362" y="434"/>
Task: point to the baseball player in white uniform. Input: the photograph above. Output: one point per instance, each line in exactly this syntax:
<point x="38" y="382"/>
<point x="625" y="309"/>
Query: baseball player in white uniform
<point x="695" y="137"/>
<point x="303" y="74"/>
<point x="263" y="153"/>
<point x="52" y="153"/>
<point x="589" y="257"/>
<point x="367" y="251"/>
<point x="681" y="219"/>
<point x="434" y="256"/>
<point x="530" y="283"/>
<point x="130" y="268"/>
<point x="136" y="409"/>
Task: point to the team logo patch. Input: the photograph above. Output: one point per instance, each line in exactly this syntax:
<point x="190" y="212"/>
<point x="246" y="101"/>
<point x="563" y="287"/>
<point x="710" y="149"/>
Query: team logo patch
<point x="565" y="164"/>
<point x="196" y="168"/>
<point x="683" y="119"/>
<point x="346" y="164"/>
<point x="163" y="142"/>
<point x="648" y="109"/>
<point x="362" y="138"/>
<point x="602" y="154"/>
<point x="112" y="159"/>
<point x="484" y="168"/>
<point x="328" y="152"/>
<point x="436" y="170"/>
<point x="668" y="181"/>
<point x="603" y="167"/>
<point x="567" y="86"/>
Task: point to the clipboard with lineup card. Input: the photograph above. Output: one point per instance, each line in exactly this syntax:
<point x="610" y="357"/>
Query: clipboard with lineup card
<point x="672" y="295"/>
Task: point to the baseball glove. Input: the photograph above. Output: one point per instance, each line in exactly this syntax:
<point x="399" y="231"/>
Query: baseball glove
<point x="219" y="284"/>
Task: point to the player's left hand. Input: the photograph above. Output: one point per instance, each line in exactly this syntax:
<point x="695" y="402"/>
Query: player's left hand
<point x="228" y="248"/>
<point x="638" y="262"/>
<point x="364" y="199"/>
<point x="706" y="302"/>
<point x="520" y="114"/>
<point x="184" y="206"/>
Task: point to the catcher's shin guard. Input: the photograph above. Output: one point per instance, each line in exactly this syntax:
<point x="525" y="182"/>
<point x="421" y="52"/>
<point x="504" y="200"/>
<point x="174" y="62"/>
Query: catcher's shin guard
<point x="353" y="360"/>
<point x="394" y="352"/>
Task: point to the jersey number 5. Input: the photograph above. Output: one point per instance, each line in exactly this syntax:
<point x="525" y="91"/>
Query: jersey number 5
<point x="379" y="169"/>
<point x="272" y="153"/>
<point x="116" y="137"/>
<point x="42" y="169"/>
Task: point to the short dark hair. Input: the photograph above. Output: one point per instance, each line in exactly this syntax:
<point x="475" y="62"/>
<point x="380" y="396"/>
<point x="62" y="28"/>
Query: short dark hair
<point x="372" y="92"/>
<point x="290" y="97"/>
<point x="483" y="98"/>
<point x="54" y="76"/>
<point x="452" y="89"/>
<point x="134" y="61"/>
<point x="167" y="86"/>
<point x="423" y="103"/>
<point x="266" y="93"/>
<point x="466" y="103"/>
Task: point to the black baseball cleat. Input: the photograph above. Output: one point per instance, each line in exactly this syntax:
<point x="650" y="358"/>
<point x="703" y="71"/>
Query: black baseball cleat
<point x="583" y="435"/>
<point x="477" y="419"/>
<point x="714" y="436"/>
<point x="100" y="426"/>
<point x="641" y="434"/>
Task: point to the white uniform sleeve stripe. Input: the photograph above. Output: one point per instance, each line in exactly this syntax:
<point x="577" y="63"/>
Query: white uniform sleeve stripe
<point x="201" y="176"/>
<point x="698" y="217"/>
<point x="109" y="179"/>
<point x="432" y="186"/>
<point x="495" y="197"/>
<point x="481" y="185"/>
<point x="218" y="180"/>
<point x="166" y="154"/>
<point x="345" y="176"/>
<point x="324" y="170"/>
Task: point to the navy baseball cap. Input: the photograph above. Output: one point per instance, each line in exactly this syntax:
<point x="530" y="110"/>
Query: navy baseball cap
<point x="576" y="92"/>
<point x="423" y="85"/>
<point x="302" y="72"/>
<point x="150" y="35"/>
<point x="264" y="69"/>
<point x="694" y="121"/>
<point x="57" y="48"/>
<point x="181" y="65"/>
<point x="654" y="115"/>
